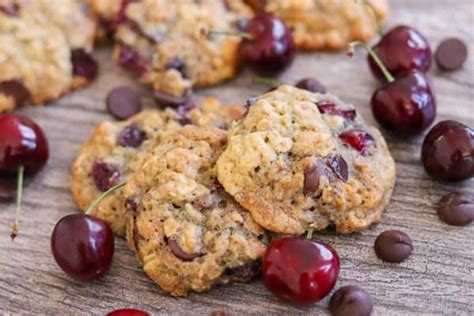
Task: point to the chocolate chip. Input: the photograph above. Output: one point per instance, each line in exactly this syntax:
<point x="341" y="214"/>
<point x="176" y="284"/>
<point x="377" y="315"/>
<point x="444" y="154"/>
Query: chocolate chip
<point x="456" y="209"/>
<point x="10" y="9"/>
<point x="173" y="101"/>
<point x="245" y="272"/>
<point x="105" y="175"/>
<point x="351" y="300"/>
<point x="251" y="101"/>
<point x="131" y="136"/>
<point x="312" y="176"/>
<point x="7" y="189"/>
<point x="242" y="24"/>
<point x="83" y="64"/>
<point x="179" y="252"/>
<point x="179" y="65"/>
<point x="451" y="54"/>
<point x="312" y="85"/>
<point x="339" y="166"/>
<point x="393" y="246"/>
<point x="15" y="89"/>
<point x="123" y="102"/>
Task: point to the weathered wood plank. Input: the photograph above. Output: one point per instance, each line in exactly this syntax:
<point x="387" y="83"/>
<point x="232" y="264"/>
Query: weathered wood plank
<point x="437" y="279"/>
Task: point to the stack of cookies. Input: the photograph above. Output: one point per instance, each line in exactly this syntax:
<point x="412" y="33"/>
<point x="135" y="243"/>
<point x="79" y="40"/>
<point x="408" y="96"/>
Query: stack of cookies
<point x="205" y="191"/>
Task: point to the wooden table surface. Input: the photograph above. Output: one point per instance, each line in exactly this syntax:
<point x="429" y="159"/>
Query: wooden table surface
<point x="437" y="279"/>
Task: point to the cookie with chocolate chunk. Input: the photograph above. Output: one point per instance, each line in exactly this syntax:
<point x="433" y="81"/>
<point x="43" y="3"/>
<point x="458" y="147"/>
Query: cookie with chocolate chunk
<point x="327" y="24"/>
<point x="163" y="42"/>
<point x="45" y="51"/>
<point x="187" y="232"/>
<point x="116" y="149"/>
<point x="300" y="160"/>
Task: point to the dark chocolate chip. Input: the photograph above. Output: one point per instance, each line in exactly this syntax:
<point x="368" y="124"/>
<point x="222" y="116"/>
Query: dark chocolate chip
<point x="312" y="85"/>
<point x="241" y="24"/>
<point x="179" y="252"/>
<point x="170" y="100"/>
<point x="179" y="65"/>
<point x="15" y="89"/>
<point x="312" y="176"/>
<point x="10" y="9"/>
<point x="393" y="246"/>
<point x="123" y="102"/>
<point x="351" y="300"/>
<point x="456" y="209"/>
<point x="339" y="166"/>
<point x="451" y="54"/>
<point x="105" y="175"/>
<point x="245" y="272"/>
<point x="7" y="189"/>
<point x="251" y="101"/>
<point x="83" y="64"/>
<point x="131" y="136"/>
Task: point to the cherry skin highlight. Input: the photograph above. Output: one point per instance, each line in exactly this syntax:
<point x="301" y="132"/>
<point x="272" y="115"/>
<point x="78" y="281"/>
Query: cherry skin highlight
<point x="299" y="270"/>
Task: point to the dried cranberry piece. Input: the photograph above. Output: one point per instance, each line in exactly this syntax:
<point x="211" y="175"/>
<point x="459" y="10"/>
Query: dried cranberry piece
<point x="131" y="136"/>
<point x="10" y="9"/>
<point x="131" y="206"/>
<point x="339" y="166"/>
<point x="131" y="60"/>
<point x="105" y="175"/>
<point x="332" y="109"/>
<point x="359" y="140"/>
<point x="83" y="64"/>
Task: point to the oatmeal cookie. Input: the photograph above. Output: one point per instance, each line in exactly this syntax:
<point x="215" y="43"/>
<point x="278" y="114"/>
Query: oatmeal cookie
<point x="187" y="232"/>
<point x="116" y="149"/>
<point x="45" y="50"/>
<point x="163" y="42"/>
<point x="327" y="24"/>
<point x="300" y="160"/>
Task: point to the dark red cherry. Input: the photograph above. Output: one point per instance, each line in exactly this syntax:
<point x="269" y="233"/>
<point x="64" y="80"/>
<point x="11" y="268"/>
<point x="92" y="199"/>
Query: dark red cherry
<point x="22" y="143"/>
<point x="359" y="140"/>
<point x="128" y="312"/>
<point x="299" y="270"/>
<point x="105" y="175"/>
<point x="406" y="106"/>
<point x="83" y="246"/>
<point x="131" y="60"/>
<point x="401" y="50"/>
<point x="269" y="47"/>
<point x="448" y="151"/>
<point x="332" y="109"/>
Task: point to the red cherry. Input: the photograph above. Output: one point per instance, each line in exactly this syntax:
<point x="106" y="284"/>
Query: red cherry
<point x="268" y="47"/>
<point x="406" y="106"/>
<point x="448" y="151"/>
<point x="299" y="270"/>
<point x="83" y="246"/>
<point x="128" y="312"/>
<point x="401" y="50"/>
<point x="360" y="140"/>
<point x="22" y="143"/>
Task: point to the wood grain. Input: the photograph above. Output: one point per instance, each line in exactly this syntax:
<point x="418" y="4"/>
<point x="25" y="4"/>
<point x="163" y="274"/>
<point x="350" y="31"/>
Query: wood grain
<point x="437" y="279"/>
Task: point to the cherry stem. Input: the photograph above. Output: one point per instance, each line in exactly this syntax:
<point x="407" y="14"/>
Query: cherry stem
<point x="388" y="76"/>
<point x="103" y="196"/>
<point x="309" y="235"/>
<point x="265" y="80"/>
<point x="19" y="195"/>
<point x="374" y="11"/>
<point x="244" y="35"/>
